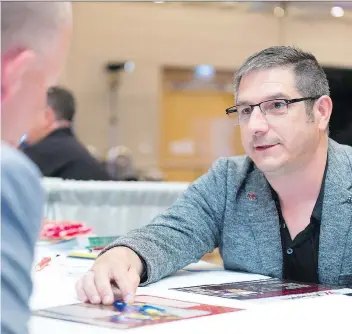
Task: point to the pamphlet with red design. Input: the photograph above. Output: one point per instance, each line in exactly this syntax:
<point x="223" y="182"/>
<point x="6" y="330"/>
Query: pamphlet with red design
<point x="266" y="289"/>
<point x="146" y="310"/>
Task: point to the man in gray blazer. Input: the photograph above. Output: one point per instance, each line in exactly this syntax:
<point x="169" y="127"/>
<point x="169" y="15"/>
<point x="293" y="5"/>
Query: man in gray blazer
<point x="283" y="210"/>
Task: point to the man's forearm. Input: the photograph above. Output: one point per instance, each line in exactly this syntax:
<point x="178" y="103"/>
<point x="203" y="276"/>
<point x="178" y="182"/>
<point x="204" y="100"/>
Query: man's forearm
<point x="182" y="235"/>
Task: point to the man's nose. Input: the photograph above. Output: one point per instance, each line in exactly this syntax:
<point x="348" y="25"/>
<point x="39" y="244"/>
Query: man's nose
<point x="257" y="122"/>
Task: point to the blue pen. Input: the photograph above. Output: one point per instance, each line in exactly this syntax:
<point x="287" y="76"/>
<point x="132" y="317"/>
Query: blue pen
<point x="119" y="305"/>
<point x="122" y="306"/>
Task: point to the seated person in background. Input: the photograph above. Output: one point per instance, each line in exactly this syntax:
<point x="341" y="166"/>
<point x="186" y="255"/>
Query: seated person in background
<point x="32" y="54"/>
<point x="119" y="164"/>
<point x="284" y="210"/>
<point x="52" y="145"/>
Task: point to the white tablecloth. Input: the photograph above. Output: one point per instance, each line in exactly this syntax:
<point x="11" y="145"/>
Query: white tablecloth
<point x="55" y="286"/>
<point x="111" y="208"/>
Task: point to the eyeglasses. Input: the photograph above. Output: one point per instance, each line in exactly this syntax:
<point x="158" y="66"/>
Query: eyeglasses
<point x="272" y="109"/>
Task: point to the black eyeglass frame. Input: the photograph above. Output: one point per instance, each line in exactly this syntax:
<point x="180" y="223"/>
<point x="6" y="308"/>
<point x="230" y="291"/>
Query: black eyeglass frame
<point x="233" y="109"/>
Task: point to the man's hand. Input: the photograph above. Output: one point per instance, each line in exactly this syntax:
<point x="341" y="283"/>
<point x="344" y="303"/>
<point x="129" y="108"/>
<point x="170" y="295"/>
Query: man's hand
<point x="120" y="267"/>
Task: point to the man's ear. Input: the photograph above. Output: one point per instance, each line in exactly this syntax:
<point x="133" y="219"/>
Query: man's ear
<point x="14" y="65"/>
<point x="324" y="110"/>
<point x="50" y="115"/>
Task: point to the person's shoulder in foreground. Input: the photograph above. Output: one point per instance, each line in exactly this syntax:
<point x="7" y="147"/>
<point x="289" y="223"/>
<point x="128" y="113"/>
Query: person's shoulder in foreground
<point x="21" y="214"/>
<point x="32" y="55"/>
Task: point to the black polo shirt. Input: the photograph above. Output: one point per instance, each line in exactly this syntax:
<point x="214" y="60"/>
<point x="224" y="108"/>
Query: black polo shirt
<point x="300" y="256"/>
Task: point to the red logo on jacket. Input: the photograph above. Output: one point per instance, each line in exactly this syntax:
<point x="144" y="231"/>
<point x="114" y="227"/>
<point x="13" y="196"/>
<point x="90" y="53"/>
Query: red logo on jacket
<point x="251" y="196"/>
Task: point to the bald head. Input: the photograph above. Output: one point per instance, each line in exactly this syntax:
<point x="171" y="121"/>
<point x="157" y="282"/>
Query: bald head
<point x="33" y="25"/>
<point x="34" y="42"/>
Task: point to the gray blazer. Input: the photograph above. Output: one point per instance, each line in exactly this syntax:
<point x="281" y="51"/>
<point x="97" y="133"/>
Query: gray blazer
<point x="219" y="210"/>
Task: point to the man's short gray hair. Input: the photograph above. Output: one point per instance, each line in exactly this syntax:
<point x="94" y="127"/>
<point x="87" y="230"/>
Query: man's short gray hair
<point x="310" y="78"/>
<point x="33" y="25"/>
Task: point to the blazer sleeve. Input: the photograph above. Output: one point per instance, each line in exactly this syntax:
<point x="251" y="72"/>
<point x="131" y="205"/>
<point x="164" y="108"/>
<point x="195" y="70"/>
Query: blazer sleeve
<point x="186" y="231"/>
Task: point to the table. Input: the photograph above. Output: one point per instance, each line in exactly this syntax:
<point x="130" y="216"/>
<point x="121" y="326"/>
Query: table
<point x="55" y="286"/>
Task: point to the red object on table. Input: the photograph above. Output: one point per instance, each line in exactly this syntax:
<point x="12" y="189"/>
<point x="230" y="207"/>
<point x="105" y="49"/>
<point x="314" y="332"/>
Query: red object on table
<point x="97" y="248"/>
<point x="43" y="263"/>
<point x="64" y="230"/>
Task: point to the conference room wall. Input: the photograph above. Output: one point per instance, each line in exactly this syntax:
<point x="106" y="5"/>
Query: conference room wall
<point x="154" y="36"/>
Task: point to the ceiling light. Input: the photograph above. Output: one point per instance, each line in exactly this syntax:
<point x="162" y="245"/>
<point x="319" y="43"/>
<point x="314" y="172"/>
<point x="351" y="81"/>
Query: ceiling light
<point x="337" y="11"/>
<point x="204" y="71"/>
<point x="129" y="66"/>
<point x="279" y="12"/>
<point x="228" y="3"/>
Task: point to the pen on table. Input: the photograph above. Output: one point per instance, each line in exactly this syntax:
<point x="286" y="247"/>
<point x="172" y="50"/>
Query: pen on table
<point x="45" y="261"/>
<point x="122" y="306"/>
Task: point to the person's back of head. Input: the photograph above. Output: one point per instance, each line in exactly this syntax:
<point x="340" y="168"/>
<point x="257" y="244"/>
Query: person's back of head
<point x="120" y="164"/>
<point x="34" y="42"/>
<point x="60" y="112"/>
<point x="62" y="102"/>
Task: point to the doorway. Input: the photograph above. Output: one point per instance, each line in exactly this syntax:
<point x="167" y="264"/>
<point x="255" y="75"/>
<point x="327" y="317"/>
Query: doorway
<point x="195" y="130"/>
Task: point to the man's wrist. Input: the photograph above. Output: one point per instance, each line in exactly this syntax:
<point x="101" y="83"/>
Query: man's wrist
<point x="144" y="273"/>
<point x="141" y="265"/>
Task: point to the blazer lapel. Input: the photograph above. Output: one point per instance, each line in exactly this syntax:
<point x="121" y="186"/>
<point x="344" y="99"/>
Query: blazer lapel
<point x="336" y="216"/>
<point x="264" y="222"/>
